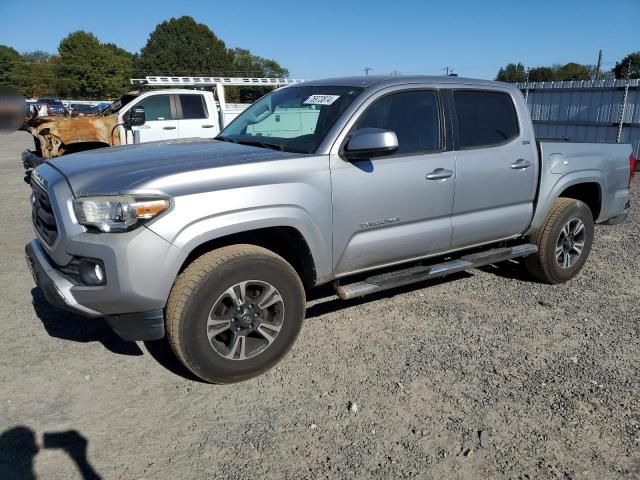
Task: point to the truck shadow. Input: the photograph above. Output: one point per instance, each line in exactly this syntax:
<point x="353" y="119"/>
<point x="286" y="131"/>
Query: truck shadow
<point x="161" y="352"/>
<point x="18" y="449"/>
<point x="511" y="269"/>
<point x="328" y="302"/>
<point x="68" y="326"/>
<point x="76" y="328"/>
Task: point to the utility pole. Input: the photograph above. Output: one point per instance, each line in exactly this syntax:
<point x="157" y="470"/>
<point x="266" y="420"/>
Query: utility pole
<point x="599" y="65"/>
<point x="367" y="70"/>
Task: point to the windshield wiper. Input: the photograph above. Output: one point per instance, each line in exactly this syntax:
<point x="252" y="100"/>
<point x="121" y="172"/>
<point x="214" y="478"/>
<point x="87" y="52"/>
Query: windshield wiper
<point x="225" y="139"/>
<point x="255" y="143"/>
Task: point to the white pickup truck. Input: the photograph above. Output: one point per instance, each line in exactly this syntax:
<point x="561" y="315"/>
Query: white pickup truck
<point x="174" y="113"/>
<point x="139" y="117"/>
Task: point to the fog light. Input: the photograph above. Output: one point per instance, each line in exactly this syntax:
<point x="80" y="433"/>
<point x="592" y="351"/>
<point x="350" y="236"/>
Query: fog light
<point x="99" y="273"/>
<point x="92" y="272"/>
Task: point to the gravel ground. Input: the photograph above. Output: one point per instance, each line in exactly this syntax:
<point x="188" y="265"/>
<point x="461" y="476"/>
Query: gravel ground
<point x="484" y="375"/>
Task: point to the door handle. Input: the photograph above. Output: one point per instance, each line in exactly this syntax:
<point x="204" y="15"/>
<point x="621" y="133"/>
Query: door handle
<point x="439" y="174"/>
<point x="521" y="164"/>
<point x="171" y="127"/>
<point x="207" y="126"/>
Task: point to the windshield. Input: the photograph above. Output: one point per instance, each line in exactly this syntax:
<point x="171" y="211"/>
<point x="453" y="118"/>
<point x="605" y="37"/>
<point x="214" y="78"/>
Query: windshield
<point x="116" y="106"/>
<point x="292" y="119"/>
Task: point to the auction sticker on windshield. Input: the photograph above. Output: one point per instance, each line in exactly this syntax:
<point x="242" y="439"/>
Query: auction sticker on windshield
<point x="321" y="99"/>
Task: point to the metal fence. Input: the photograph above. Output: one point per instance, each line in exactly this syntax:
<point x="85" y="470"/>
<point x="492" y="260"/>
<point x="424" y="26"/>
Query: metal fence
<point x="586" y="111"/>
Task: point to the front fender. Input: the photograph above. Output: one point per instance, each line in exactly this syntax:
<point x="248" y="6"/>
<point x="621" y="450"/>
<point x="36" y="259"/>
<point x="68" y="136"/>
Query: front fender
<point x="225" y="200"/>
<point x="229" y="223"/>
<point x="54" y="133"/>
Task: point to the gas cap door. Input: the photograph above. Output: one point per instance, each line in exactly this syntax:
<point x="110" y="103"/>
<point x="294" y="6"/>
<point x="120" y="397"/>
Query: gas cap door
<point x="559" y="163"/>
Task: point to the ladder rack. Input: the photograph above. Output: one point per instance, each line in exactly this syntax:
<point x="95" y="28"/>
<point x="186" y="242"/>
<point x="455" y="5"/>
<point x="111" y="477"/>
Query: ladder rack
<point x="171" y="81"/>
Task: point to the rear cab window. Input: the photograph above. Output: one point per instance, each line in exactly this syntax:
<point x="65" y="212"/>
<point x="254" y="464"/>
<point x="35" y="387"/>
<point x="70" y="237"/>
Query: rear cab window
<point x="485" y="118"/>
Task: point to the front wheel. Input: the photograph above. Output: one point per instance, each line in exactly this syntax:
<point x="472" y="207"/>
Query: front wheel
<point x="564" y="242"/>
<point x="234" y="313"/>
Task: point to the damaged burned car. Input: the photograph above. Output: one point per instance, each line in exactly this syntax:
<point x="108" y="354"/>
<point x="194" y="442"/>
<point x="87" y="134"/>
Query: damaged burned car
<point x="55" y="136"/>
<point x="138" y="117"/>
<point x="141" y="117"/>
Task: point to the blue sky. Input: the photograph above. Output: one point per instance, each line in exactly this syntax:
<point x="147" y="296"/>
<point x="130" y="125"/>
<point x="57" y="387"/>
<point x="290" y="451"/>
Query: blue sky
<point x="331" y="38"/>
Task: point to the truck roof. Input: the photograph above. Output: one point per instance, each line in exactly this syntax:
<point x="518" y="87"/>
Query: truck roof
<point x="392" y="80"/>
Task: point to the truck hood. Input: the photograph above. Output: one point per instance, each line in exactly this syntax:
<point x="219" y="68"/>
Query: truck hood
<point x="110" y="171"/>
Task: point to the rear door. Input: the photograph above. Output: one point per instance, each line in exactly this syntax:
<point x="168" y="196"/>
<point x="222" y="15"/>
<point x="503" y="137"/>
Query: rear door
<point x="161" y="118"/>
<point x="195" y="119"/>
<point x="496" y="168"/>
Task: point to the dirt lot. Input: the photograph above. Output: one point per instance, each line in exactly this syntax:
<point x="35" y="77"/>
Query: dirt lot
<point x="487" y="375"/>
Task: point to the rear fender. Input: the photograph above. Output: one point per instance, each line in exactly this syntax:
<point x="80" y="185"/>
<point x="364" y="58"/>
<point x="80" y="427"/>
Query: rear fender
<point x="550" y="191"/>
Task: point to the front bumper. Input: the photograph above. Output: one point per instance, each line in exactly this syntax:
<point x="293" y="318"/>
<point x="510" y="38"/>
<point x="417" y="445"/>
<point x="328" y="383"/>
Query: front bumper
<point x="31" y="160"/>
<point x="140" y="269"/>
<point x="55" y="287"/>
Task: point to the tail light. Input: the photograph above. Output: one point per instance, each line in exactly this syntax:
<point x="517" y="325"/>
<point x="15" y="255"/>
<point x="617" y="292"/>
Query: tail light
<point x="49" y="111"/>
<point x="632" y="167"/>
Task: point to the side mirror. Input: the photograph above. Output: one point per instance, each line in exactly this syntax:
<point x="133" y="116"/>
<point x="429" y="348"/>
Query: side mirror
<point x="134" y="117"/>
<point x="371" y="142"/>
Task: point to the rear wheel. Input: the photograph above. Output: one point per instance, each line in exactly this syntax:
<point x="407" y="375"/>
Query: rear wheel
<point x="234" y="313"/>
<point x="564" y="242"/>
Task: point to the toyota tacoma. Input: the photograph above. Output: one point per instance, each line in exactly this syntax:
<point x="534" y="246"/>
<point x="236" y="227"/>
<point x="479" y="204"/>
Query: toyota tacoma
<point x="364" y="183"/>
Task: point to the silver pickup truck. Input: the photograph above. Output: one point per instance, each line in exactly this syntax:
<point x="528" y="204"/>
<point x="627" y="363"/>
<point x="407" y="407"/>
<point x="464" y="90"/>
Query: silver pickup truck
<point x="367" y="183"/>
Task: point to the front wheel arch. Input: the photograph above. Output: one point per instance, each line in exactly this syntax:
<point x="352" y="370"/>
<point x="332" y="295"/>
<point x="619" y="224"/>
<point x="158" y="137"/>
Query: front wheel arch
<point x="284" y="241"/>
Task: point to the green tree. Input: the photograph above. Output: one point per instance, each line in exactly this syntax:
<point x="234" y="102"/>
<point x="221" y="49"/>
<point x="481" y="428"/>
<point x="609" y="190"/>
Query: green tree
<point x="542" y="74"/>
<point x="119" y="69"/>
<point x="9" y="59"/>
<point x="248" y="65"/>
<point x="574" y="71"/>
<point x="628" y="65"/>
<point x="512" y="73"/>
<point x="33" y="76"/>
<point x="181" y="46"/>
<point x="87" y="68"/>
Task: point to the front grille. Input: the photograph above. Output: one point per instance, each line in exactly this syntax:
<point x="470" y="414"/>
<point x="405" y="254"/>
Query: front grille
<point x="42" y="214"/>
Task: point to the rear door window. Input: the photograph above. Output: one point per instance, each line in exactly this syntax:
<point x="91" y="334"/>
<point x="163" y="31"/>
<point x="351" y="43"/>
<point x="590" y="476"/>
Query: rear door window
<point x="485" y="118"/>
<point x="192" y="106"/>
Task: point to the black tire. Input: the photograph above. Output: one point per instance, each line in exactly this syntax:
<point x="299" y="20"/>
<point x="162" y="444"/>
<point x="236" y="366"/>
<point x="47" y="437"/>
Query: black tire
<point x="198" y="290"/>
<point x="545" y="265"/>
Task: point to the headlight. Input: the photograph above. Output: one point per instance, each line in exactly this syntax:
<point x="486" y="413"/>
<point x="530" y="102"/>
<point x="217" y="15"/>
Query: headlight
<point x="118" y="213"/>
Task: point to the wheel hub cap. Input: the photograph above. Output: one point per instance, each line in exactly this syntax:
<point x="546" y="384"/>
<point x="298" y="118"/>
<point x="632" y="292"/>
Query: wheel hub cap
<point x="570" y="243"/>
<point x="245" y="320"/>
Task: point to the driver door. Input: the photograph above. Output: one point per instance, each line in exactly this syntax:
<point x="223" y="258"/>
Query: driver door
<point x="386" y="210"/>
<point x="161" y="118"/>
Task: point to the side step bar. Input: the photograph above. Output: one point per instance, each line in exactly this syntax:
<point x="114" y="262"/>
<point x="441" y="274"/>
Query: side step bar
<point x="406" y="276"/>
